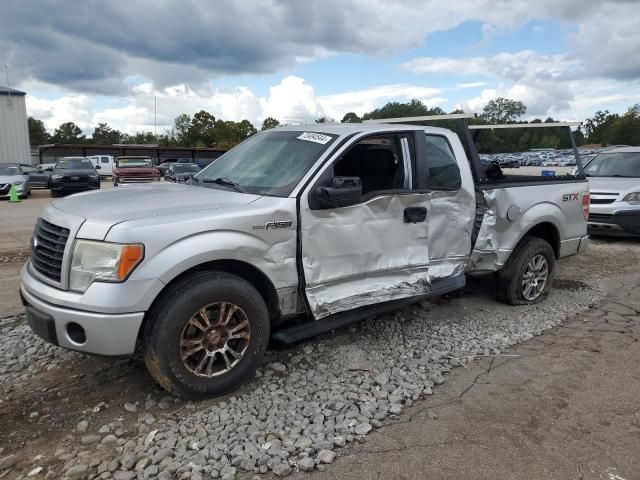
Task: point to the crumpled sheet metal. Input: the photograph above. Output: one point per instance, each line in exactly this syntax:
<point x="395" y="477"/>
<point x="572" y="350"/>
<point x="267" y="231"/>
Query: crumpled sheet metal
<point x="327" y="299"/>
<point x="367" y="259"/>
<point x="492" y="250"/>
<point x="451" y="217"/>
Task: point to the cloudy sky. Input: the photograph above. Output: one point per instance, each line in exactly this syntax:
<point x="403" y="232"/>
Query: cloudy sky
<point x="105" y="61"/>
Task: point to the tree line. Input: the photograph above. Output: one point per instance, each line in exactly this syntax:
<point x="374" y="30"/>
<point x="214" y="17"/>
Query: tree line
<point x="205" y="130"/>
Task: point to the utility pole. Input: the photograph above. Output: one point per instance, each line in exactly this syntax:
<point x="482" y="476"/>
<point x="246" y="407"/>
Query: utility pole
<point x="155" y="117"/>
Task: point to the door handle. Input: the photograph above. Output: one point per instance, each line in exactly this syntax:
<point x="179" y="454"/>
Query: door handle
<point x="415" y="214"/>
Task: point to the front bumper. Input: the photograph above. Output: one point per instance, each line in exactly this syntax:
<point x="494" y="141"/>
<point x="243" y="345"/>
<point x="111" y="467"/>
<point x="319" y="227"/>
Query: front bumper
<point x="625" y="223"/>
<point x="4" y="193"/>
<point x="135" y="179"/>
<point x="109" y="334"/>
<point x="75" y="186"/>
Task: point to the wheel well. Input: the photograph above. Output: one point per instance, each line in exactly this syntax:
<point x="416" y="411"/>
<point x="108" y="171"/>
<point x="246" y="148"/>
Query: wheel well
<point x="547" y="231"/>
<point x="243" y="270"/>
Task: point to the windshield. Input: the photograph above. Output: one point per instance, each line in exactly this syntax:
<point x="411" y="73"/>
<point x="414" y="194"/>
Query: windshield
<point x="268" y="163"/>
<point x="182" y="168"/>
<point x="134" y="162"/>
<point x="80" y="163"/>
<point x="620" y="164"/>
<point x="9" y="170"/>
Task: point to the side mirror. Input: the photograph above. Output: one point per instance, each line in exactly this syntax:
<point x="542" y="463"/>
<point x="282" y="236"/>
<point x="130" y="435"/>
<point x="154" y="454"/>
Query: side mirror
<point x="343" y="192"/>
<point x="98" y="167"/>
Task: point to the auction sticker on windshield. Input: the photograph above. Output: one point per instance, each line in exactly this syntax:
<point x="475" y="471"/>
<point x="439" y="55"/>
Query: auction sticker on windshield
<point x="315" y="137"/>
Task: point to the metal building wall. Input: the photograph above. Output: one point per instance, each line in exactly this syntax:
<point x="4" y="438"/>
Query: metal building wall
<point x="14" y="133"/>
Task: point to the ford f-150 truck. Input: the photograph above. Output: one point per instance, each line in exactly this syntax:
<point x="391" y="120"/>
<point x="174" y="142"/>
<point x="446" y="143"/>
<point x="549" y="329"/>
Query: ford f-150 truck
<point x="295" y="231"/>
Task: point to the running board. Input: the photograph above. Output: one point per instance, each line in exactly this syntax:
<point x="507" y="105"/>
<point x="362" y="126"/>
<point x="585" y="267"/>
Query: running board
<point x="296" y="333"/>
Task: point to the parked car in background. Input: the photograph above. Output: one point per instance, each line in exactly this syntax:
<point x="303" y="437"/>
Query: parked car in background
<point x="37" y="176"/>
<point x="166" y="163"/>
<point x="510" y="163"/>
<point x="181" y="172"/>
<point x="614" y="179"/>
<point x="74" y="174"/>
<point x="133" y="169"/>
<point x="106" y="163"/>
<point x="12" y="174"/>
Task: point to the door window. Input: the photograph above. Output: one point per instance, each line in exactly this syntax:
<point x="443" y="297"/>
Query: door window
<point x="380" y="162"/>
<point x="104" y="160"/>
<point x="28" y="170"/>
<point x="444" y="173"/>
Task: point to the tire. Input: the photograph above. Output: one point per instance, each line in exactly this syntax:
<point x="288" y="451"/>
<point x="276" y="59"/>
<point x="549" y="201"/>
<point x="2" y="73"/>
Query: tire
<point x="530" y="254"/>
<point x="168" y="326"/>
<point x="54" y="194"/>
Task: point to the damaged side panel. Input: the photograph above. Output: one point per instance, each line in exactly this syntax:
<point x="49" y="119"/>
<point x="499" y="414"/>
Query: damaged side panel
<point x="363" y="254"/>
<point x="451" y="222"/>
<point x="509" y="213"/>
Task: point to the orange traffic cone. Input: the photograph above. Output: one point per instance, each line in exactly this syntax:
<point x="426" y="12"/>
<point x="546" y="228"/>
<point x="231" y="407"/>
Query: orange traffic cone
<point x="13" y="195"/>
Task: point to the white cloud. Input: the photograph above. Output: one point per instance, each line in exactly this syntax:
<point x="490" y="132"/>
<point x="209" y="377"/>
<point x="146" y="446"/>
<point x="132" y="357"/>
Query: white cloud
<point x="514" y="66"/>
<point x="68" y="108"/>
<point x="292" y="100"/>
<point x="470" y="85"/>
<point x="362" y="101"/>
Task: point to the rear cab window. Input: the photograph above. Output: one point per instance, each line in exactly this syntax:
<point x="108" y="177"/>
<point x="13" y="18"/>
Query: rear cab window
<point x="444" y="172"/>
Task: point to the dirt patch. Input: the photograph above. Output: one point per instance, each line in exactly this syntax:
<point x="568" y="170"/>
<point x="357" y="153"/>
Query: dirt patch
<point x="570" y="285"/>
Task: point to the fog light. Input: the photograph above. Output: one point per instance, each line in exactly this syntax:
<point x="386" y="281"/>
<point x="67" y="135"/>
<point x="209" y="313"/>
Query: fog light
<point x="76" y="333"/>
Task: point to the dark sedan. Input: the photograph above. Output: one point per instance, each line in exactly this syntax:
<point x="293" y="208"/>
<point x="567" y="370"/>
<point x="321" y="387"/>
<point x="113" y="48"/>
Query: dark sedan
<point x="74" y="174"/>
<point x="38" y="177"/>
<point x="181" y="172"/>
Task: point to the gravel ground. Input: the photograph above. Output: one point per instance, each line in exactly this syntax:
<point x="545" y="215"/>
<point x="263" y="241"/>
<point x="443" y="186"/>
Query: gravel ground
<point x="67" y="415"/>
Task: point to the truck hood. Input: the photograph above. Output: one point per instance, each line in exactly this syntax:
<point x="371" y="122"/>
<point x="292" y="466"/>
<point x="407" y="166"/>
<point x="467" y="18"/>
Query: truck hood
<point x="103" y="209"/>
<point x="613" y="184"/>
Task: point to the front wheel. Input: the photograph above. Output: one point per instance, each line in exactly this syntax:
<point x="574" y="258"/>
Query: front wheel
<point x="207" y="336"/>
<point x="528" y="276"/>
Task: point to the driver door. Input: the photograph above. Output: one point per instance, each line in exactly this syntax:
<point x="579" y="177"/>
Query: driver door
<point x="375" y="249"/>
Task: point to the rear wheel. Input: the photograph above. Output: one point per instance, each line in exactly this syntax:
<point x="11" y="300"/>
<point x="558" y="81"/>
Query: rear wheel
<point x="207" y="336"/>
<point x="528" y="276"/>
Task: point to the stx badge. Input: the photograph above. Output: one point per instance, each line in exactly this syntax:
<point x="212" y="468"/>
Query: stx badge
<point x="273" y="224"/>
<point x="567" y="197"/>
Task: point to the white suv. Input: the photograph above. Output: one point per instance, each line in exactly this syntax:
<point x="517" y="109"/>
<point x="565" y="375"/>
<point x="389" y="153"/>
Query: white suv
<point x="614" y="180"/>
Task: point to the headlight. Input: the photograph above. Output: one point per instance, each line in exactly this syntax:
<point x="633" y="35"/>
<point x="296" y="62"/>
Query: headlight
<point x="93" y="175"/>
<point x="56" y="176"/>
<point x="632" y="197"/>
<point x="102" y="262"/>
<point x="18" y="182"/>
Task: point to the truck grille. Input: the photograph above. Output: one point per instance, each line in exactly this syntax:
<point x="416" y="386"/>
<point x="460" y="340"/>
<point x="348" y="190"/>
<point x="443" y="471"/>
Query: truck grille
<point x="141" y="179"/>
<point x="49" y="241"/>
<point x="71" y="181"/>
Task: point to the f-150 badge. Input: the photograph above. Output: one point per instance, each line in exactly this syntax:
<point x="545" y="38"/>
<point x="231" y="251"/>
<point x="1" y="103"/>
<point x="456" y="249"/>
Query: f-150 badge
<point x="274" y="224"/>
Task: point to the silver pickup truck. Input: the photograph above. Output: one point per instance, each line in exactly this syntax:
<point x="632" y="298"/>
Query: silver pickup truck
<point x="295" y="231"/>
